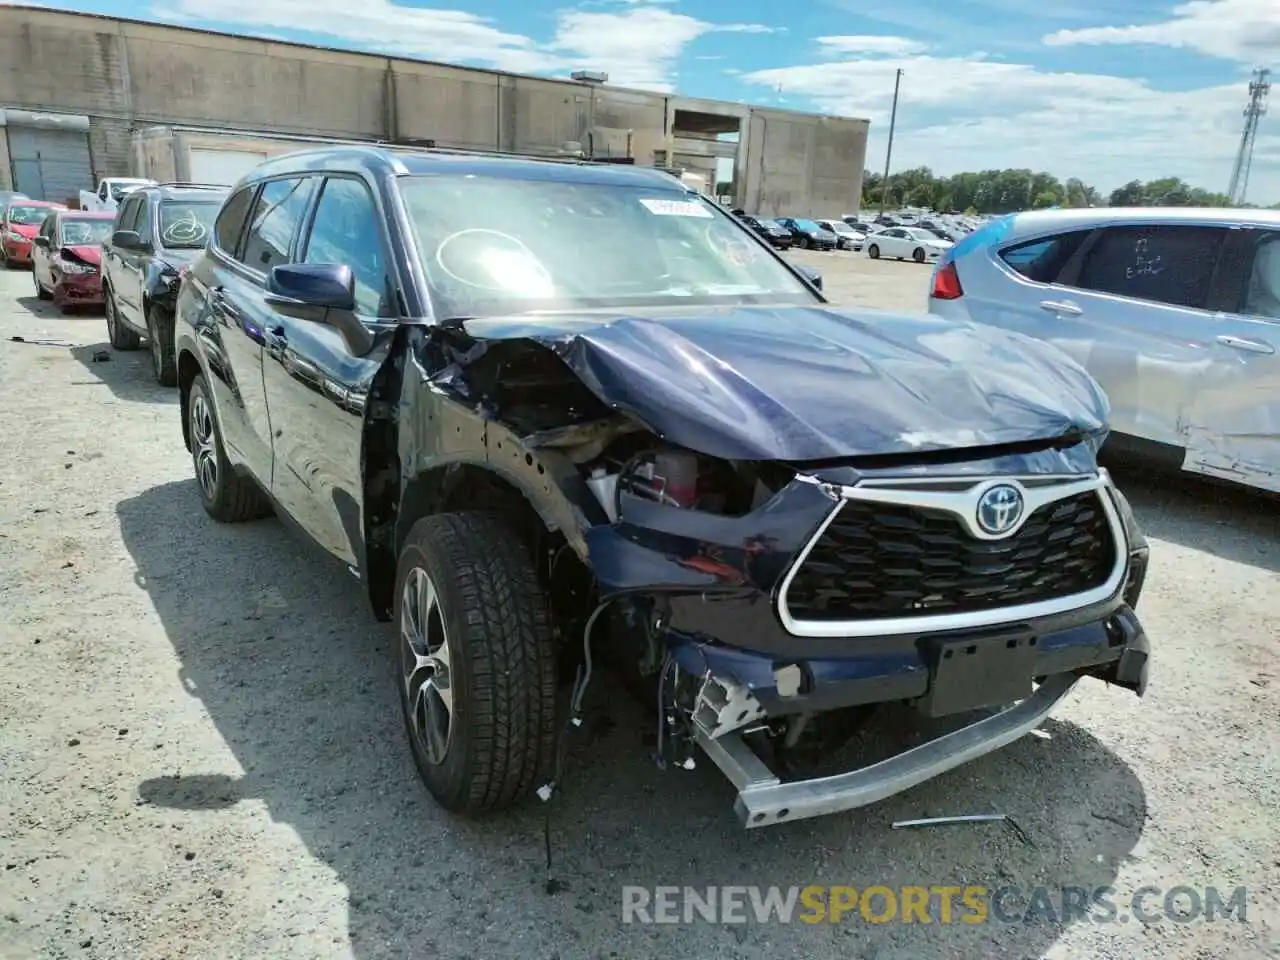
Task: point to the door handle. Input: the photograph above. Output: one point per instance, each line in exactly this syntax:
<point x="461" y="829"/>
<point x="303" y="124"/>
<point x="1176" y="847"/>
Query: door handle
<point x="1064" y="308"/>
<point x="1246" y="345"/>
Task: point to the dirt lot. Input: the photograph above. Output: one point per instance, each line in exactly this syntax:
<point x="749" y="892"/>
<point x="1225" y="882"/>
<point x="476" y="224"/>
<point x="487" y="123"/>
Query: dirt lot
<point x="201" y="753"/>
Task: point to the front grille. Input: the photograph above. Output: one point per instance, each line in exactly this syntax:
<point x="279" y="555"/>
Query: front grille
<point x="878" y="560"/>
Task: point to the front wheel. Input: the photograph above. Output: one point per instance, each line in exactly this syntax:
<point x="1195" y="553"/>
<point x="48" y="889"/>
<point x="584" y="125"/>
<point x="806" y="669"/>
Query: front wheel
<point x="121" y="337"/>
<point x="41" y="292"/>
<point x="476" y="665"/>
<point x="164" y="365"/>
<point x="226" y="496"/>
<point x="873" y="252"/>
<point x="918" y="255"/>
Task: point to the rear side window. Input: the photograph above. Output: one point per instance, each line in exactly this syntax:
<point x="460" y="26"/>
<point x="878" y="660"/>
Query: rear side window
<point x="1042" y="260"/>
<point x="1162" y="263"/>
<point x="1262" y="291"/>
<point x="230" y="223"/>
<point x="275" y="220"/>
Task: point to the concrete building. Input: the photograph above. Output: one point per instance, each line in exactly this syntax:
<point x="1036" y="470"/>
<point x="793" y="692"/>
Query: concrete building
<point x="84" y="96"/>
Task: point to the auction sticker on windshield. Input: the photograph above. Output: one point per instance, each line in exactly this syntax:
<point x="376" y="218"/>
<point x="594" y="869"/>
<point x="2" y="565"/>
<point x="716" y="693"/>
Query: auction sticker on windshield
<point x="676" y="208"/>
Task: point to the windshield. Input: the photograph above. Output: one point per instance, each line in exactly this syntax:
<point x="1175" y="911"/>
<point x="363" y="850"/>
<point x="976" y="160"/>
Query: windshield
<point x="27" y="216"/>
<point x="186" y="226"/>
<point x="87" y="233"/>
<point x="493" y="245"/>
<point x="807" y="225"/>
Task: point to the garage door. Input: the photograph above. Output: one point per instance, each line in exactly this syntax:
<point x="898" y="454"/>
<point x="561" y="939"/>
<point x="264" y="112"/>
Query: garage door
<point x="224" y="167"/>
<point x="49" y="164"/>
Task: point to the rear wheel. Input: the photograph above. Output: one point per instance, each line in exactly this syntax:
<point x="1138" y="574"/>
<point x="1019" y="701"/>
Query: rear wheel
<point x="226" y="496"/>
<point x="121" y="337"/>
<point x="476" y="665"/>
<point x="164" y="365"/>
<point x="918" y="255"/>
<point x="873" y="252"/>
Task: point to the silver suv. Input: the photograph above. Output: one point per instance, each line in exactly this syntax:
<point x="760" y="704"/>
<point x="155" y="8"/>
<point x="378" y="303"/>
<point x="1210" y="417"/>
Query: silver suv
<point x="1175" y="312"/>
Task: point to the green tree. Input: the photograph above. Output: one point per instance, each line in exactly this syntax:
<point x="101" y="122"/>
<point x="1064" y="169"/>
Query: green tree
<point x="1006" y="191"/>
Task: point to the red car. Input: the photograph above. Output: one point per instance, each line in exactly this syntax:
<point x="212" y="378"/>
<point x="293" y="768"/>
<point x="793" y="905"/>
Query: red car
<point x="19" y="224"/>
<point x="66" y="257"/>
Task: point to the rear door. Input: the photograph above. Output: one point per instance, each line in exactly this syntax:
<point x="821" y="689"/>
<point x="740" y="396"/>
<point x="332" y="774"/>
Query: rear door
<point x="1130" y="303"/>
<point x="232" y="282"/>
<point x="1234" y="427"/>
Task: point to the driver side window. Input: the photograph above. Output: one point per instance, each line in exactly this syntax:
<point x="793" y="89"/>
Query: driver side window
<point x="346" y="229"/>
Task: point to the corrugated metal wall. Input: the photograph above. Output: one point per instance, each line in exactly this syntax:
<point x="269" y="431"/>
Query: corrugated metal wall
<point x="49" y="164"/>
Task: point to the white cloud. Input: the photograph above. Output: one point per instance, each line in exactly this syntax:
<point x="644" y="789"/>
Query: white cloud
<point x="638" y="44"/>
<point x="972" y="113"/>
<point x="871" y="45"/>
<point x="1243" y="30"/>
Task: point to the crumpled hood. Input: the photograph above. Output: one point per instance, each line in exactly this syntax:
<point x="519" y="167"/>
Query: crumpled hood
<point x="89" y="253"/>
<point x="817" y="383"/>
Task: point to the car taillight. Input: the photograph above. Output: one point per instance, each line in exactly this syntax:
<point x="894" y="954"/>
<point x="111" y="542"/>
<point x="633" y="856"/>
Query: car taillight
<point x="946" y="283"/>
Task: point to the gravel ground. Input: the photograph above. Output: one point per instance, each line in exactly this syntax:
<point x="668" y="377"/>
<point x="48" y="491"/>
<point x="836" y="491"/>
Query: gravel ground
<point x="201" y="752"/>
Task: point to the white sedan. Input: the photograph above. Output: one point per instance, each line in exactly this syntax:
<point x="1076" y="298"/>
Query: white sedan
<point x="903" y="242"/>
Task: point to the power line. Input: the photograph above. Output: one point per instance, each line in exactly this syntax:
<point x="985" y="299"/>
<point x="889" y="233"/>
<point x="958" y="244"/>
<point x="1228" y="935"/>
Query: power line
<point x="1259" y="87"/>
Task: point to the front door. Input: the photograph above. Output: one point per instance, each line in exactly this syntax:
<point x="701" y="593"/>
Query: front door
<point x="43" y="251"/>
<point x="316" y="389"/>
<point x="131" y="263"/>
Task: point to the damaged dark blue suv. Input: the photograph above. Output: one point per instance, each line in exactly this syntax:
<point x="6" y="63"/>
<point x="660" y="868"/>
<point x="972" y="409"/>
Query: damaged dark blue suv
<point x="564" y="414"/>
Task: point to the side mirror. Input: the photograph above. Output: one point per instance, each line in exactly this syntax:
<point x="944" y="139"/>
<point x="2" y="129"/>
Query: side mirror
<point x="40" y="241"/>
<point x="128" y="240"/>
<point x="813" y="276"/>
<point x="322" y="293"/>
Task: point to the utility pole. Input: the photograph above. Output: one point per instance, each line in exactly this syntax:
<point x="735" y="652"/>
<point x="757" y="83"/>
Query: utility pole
<point x="888" y="153"/>
<point x="1259" y="87"/>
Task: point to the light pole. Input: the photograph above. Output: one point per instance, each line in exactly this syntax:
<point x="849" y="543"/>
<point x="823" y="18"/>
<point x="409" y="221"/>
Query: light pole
<point x="888" y="153"/>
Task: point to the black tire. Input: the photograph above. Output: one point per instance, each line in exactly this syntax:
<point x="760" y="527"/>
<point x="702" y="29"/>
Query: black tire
<point x="918" y="255"/>
<point x="227" y="496"/>
<point x="41" y="292"/>
<point x="121" y="337"/>
<point x="873" y="252"/>
<point x="500" y="738"/>
<point x="164" y="365"/>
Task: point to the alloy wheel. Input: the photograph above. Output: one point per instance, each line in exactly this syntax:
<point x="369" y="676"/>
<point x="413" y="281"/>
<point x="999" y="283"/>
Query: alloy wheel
<point x="425" y="667"/>
<point x="204" y="437"/>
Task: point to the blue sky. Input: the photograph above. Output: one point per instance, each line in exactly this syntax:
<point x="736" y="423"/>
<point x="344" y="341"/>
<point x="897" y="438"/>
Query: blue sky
<point x="1106" y="91"/>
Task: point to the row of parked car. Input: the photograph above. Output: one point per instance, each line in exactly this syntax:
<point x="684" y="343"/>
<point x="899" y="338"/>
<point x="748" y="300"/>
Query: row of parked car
<point x="127" y="262"/>
<point x="885" y="237"/>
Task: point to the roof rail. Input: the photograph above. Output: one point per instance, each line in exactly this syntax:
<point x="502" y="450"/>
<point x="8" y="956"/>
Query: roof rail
<point x="189" y="183"/>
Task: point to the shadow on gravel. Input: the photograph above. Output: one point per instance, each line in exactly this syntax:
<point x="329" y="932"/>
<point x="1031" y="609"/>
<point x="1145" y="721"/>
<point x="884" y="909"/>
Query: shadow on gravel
<point x="1228" y="521"/>
<point x="127" y="373"/>
<point x="280" y="649"/>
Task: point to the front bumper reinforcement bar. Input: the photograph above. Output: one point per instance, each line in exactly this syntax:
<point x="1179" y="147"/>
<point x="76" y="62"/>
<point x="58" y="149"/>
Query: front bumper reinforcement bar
<point x="764" y="800"/>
